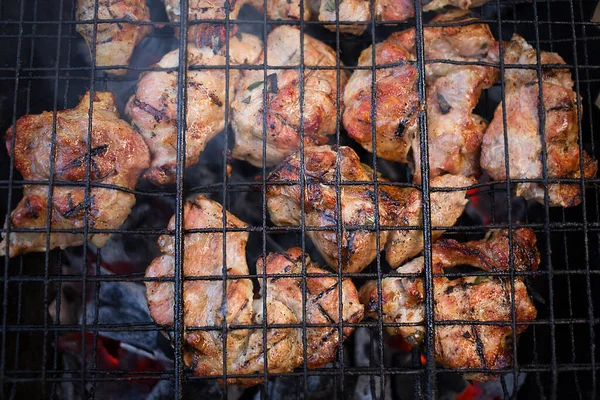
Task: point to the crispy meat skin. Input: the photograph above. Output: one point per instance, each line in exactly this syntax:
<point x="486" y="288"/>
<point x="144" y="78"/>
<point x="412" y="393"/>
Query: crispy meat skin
<point x="392" y="10"/>
<point x="118" y="157"/>
<point x="321" y="10"/>
<point x="283" y="100"/>
<point x="153" y="108"/>
<point x="397" y="207"/>
<point x="203" y="301"/>
<point x="524" y="141"/>
<point x="453" y="91"/>
<point x="114" y="41"/>
<point x="464" y="299"/>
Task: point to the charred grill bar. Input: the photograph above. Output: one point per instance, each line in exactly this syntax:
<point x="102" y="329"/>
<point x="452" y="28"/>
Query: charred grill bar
<point x="73" y="321"/>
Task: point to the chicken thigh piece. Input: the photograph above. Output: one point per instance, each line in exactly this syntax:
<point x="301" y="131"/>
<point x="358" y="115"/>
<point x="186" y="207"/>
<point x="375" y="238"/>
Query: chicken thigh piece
<point x="115" y="41"/>
<point x="454" y="132"/>
<point x="203" y="301"/>
<point x="471" y="300"/>
<point x="153" y="108"/>
<point x="523" y="129"/>
<point x="118" y="156"/>
<point x="282" y="108"/>
<point x="206" y="34"/>
<point x="398" y="207"/>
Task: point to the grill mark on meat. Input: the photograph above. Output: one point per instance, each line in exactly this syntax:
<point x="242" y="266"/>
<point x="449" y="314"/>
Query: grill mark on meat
<point x="157" y="114"/>
<point x="107" y="40"/>
<point x="215" y="99"/>
<point x="347" y="250"/>
<point x="479" y="346"/>
<point x="30" y="208"/>
<point x="562" y="107"/>
<point x="79" y="161"/>
<point x="444" y="106"/>
<point x="326" y="337"/>
<point x="326" y="291"/>
<point x="325" y="314"/>
<point x="75" y="210"/>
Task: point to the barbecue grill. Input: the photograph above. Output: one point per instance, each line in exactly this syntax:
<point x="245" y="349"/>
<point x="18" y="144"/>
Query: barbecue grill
<point x="74" y="323"/>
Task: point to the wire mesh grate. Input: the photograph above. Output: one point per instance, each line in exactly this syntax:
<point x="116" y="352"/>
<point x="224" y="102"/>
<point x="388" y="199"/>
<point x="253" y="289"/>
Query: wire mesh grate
<point x="47" y="352"/>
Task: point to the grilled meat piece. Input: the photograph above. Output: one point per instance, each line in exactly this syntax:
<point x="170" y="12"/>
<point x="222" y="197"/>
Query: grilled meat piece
<point x="397" y="207"/>
<point x="153" y="107"/>
<point x="523" y="126"/>
<point x="206" y="34"/>
<point x="454" y="132"/>
<point x="321" y="10"/>
<point x="396" y="100"/>
<point x="400" y="10"/>
<point x="466" y="299"/>
<point x="203" y="301"/>
<point x="282" y="108"/>
<point x="118" y="156"/>
<point x="115" y="41"/>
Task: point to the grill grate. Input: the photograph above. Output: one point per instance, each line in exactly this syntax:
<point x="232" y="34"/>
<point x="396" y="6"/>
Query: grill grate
<point x="43" y="67"/>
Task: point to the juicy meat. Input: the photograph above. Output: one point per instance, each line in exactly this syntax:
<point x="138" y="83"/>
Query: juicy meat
<point x="282" y="107"/>
<point x="400" y="10"/>
<point x="118" y="156"/>
<point x="321" y="10"/>
<point x="523" y="127"/>
<point x="153" y="107"/>
<point x="205" y="34"/>
<point x="454" y="132"/>
<point x="114" y="41"/>
<point x="468" y="299"/>
<point x="398" y="207"/>
<point x="203" y="301"/>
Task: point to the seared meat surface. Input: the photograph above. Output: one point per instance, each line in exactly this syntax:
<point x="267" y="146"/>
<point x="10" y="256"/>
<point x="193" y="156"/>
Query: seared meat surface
<point x="400" y="10"/>
<point x="523" y="129"/>
<point x="203" y="301"/>
<point x="118" y="156"/>
<point x="454" y="132"/>
<point x="153" y="107"/>
<point x="398" y="207"/>
<point x="114" y="42"/>
<point x="282" y="108"/>
<point x="466" y="299"/>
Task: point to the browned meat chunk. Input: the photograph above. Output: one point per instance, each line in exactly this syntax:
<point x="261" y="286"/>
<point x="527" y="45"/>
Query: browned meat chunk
<point x="115" y="42"/>
<point x="454" y="132"/>
<point x="397" y="207"/>
<point x="523" y="129"/>
<point x="203" y="301"/>
<point x="282" y="108"/>
<point x="153" y="107"/>
<point x="397" y="103"/>
<point x="118" y="157"/>
<point x="473" y="299"/>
